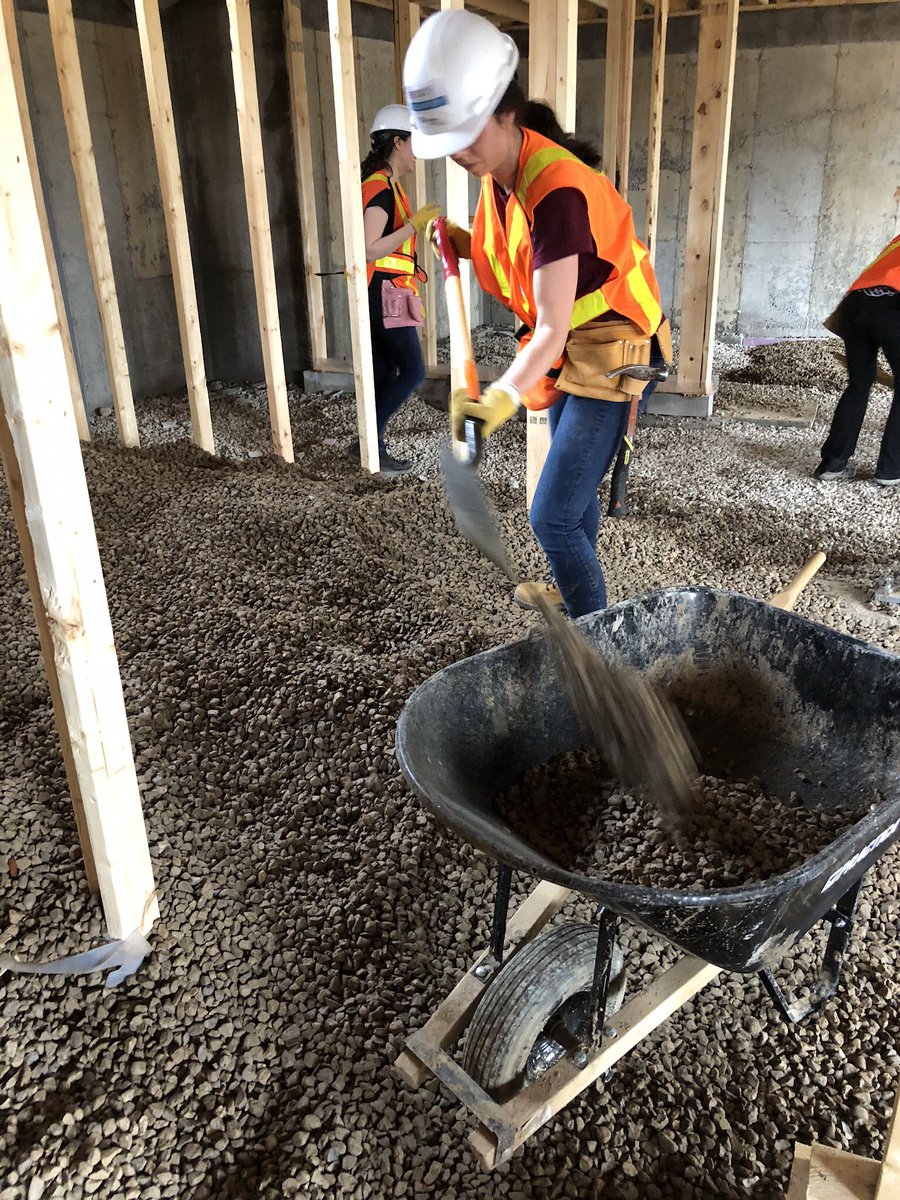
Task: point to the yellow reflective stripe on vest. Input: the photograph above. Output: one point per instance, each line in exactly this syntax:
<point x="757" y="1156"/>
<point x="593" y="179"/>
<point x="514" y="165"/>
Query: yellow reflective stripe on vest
<point x="490" y="242"/>
<point x="536" y="164"/>
<point x="399" y="266"/>
<point x="890" y="248"/>
<point x="640" y="289"/>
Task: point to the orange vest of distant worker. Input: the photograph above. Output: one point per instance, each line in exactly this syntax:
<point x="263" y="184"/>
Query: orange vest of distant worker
<point x="502" y="252"/>
<point x="884" y="271"/>
<point x="401" y="263"/>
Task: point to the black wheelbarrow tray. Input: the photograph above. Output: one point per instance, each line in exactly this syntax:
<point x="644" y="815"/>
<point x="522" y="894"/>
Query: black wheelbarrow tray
<point x="764" y="693"/>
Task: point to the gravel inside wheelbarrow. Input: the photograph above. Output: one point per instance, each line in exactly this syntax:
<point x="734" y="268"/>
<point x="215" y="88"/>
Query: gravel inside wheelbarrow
<point x="270" y="623"/>
<point x="735" y="832"/>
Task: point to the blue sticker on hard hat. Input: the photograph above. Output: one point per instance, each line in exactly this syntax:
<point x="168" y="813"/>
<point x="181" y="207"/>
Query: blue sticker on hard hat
<point x="418" y="106"/>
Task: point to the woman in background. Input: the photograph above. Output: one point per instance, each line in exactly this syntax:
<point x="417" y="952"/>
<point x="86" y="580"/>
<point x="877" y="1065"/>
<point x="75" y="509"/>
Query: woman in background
<point x="391" y="230"/>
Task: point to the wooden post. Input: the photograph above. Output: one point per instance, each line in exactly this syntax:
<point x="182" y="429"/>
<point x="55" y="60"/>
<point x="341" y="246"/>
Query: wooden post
<point x="429" y="289"/>
<point x="654" y="139"/>
<point x="247" y="101"/>
<point x="42" y="458"/>
<point x="71" y="86"/>
<point x="709" y="164"/>
<point x="617" y="91"/>
<point x="15" y="65"/>
<point x="458" y="200"/>
<point x="306" y="192"/>
<point x="889" y="1176"/>
<point x="161" y="119"/>
<point x="341" y="35"/>
<point x="552" y="75"/>
<point x="403" y="31"/>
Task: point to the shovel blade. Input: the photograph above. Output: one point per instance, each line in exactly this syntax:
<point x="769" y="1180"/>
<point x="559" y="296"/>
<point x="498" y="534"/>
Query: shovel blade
<point x="471" y="510"/>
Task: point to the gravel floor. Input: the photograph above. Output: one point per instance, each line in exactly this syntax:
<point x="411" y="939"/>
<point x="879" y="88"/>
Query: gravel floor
<point x="270" y="622"/>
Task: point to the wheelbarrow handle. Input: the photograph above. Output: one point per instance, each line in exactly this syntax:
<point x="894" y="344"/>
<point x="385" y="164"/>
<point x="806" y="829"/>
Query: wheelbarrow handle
<point x="788" y="598"/>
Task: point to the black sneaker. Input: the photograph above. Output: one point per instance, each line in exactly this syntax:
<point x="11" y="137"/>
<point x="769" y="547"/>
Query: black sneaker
<point x="830" y="474"/>
<point x="882" y="482"/>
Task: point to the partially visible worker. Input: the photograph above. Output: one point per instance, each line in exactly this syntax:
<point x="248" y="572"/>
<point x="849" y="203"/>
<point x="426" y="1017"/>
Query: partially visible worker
<point x="868" y="319"/>
<point x="393" y="273"/>
<point x="554" y="242"/>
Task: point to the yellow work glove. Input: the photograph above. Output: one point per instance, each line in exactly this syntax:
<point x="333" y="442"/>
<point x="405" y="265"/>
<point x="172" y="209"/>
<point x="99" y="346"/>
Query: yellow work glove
<point x="493" y="408"/>
<point x="461" y="238"/>
<point x="423" y="216"/>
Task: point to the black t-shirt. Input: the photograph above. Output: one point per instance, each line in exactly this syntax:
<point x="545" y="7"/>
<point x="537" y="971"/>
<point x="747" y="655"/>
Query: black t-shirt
<point x="385" y="201"/>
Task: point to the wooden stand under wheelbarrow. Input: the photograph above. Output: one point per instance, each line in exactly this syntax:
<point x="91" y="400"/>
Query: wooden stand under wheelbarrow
<point x="803" y="708"/>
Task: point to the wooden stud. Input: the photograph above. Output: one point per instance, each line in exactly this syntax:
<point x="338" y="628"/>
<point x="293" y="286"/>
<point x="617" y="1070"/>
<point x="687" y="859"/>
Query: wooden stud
<point x="403" y="32"/>
<point x="15" y="61"/>
<point x="17" y="501"/>
<point x="428" y="290"/>
<point x="303" y="158"/>
<point x="458" y="200"/>
<point x="552" y="76"/>
<point x="163" y="124"/>
<point x="71" y="86"/>
<point x="341" y="36"/>
<point x="709" y="163"/>
<point x="247" y="102"/>
<point x="654" y="138"/>
<point x="43" y="459"/>
<point x="617" y="91"/>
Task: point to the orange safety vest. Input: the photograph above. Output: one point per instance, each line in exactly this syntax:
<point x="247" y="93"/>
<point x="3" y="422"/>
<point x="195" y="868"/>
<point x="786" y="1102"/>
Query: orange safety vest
<point x="502" y="251"/>
<point x="400" y="263"/>
<point x="884" y="271"/>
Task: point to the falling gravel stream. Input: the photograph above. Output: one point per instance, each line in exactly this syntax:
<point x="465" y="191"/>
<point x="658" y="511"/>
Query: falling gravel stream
<point x="270" y="622"/>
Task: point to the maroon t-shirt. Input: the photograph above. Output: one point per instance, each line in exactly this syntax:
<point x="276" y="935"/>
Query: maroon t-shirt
<point x="562" y="228"/>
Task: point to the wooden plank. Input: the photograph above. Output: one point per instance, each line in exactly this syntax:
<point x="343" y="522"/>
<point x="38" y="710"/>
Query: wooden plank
<point x="654" y="138"/>
<point x="7" y="10"/>
<point x="552" y="76"/>
<point x="71" y="86"/>
<point x="341" y="36"/>
<point x="65" y="567"/>
<point x="17" y="500"/>
<point x="427" y="290"/>
<point x="888" y="1187"/>
<point x="247" y="103"/>
<point x="837" y="1175"/>
<point x="611" y="87"/>
<point x="709" y="164"/>
<point x="162" y="121"/>
<point x="403" y="31"/>
<point x="457" y="206"/>
<point x="306" y="194"/>
<point x="625" y="82"/>
<point x="799" y="1180"/>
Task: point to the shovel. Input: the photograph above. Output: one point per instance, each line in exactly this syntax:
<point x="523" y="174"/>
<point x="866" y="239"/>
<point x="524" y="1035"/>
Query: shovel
<point x="459" y="462"/>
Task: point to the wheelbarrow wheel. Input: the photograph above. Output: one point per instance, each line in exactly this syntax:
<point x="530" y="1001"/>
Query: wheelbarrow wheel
<point x="536" y="1009"/>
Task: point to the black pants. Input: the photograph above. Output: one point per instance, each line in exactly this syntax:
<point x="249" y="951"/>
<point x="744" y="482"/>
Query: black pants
<point x="867" y="324"/>
<point x="397" y="363"/>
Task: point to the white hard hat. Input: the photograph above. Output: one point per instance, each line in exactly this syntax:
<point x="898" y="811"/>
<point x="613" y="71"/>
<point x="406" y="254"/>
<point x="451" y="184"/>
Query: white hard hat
<point x="456" y="70"/>
<point x="392" y="116"/>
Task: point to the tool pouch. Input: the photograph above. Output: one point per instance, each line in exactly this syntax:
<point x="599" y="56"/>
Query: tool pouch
<point x="598" y="347"/>
<point x="400" y="306"/>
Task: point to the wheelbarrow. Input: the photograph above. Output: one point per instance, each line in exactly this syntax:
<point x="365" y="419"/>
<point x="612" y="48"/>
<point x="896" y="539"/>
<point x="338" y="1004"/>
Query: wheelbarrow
<point x="764" y="693"/>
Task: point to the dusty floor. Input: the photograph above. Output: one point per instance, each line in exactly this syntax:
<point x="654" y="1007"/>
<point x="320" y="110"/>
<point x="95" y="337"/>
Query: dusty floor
<point x="270" y="623"/>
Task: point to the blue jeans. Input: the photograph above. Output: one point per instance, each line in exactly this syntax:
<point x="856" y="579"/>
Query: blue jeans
<point x="397" y="363"/>
<point x="565" y="511"/>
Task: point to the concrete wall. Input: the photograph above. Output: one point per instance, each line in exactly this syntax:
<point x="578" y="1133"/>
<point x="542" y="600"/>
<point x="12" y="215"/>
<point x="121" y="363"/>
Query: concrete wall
<point x="814" y="164"/>
<point x="814" y="158"/>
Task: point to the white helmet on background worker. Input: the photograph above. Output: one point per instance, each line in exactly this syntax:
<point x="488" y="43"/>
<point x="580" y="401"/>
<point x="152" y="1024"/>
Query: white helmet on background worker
<point x="394" y="117"/>
<point x="455" y="72"/>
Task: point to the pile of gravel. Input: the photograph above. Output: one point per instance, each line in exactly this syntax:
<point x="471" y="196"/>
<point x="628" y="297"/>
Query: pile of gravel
<point x="270" y="623"/>
<point x="491" y="347"/>
<point x="734" y="832"/>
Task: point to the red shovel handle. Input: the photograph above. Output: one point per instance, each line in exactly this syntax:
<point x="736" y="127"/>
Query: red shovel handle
<point x="445" y="248"/>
